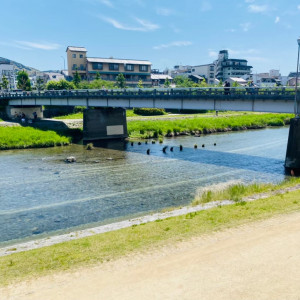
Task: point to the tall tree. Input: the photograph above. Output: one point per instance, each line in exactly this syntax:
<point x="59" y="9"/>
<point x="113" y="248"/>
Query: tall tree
<point x="76" y="79"/>
<point x="120" y="81"/>
<point x="140" y="84"/>
<point x="97" y="76"/>
<point x="40" y="84"/>
<point x="23" y="81"/>
<point x="5" y="82"/>
<point x="167" y="83"/>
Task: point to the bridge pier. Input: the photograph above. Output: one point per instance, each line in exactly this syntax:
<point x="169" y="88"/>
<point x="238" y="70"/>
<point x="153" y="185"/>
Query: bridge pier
<point x="104" y="123"/>
<point x="11" y="111"/>
<point x="292" y="160"/>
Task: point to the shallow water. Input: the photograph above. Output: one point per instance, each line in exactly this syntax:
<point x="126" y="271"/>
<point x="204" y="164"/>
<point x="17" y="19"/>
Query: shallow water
<point x="40" y="194"/>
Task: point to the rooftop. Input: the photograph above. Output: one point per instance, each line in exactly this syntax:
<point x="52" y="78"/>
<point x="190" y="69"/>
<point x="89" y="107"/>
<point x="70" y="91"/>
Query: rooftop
<point x="118" y="61"/>
<point x="78" y="49"/>
<point x="160" y="76"/>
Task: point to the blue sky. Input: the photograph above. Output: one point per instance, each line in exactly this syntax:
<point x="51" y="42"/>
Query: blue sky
<point x="166" y="32"/>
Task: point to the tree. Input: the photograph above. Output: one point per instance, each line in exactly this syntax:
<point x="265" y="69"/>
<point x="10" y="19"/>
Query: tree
<point x="167" y="83"/>
<point x="203" y="83"/>
<point x="40" y="84"/>
<point x="5" y="82"/>
<point x="182" y="81"/>
<point x="76" y="79"/>
<point x="97" y="76"/>
<point x="60" y="85"/>
<point x="140" y="84"/>
<point x="235" y="84"/>
<point x="23" y="81"/>
<point x="120" y="81"/>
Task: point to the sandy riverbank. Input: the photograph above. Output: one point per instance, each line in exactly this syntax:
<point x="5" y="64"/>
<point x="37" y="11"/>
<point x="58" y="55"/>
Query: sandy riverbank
<point x="256" y="261"/>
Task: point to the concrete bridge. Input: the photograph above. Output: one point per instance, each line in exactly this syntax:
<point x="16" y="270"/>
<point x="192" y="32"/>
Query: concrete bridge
<point x="105" y="116"/>
<point x="235" y="99"/>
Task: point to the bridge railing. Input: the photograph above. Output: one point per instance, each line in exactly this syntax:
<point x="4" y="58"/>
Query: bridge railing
<point x="205" y="92"/>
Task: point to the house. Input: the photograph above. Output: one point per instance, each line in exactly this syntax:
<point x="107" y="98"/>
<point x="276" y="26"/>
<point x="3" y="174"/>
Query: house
<point x="239" y="81"/>
<point x="108" y="68"/>
<point x="160" y="79"/>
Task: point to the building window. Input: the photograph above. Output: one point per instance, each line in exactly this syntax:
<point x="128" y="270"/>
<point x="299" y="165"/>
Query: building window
<point x="82" y="67"/>
<point x="129" y="67"/>
<point x="97" y="66"/>
<point x="211" y="75"/>
<point x="81" y="55"/>
<point x="143" y="68"/>
<point x="74" y="55"/>
<point x="211" y="68"/>
<point x="74" y="67"/>
<point x="114" y="67"/>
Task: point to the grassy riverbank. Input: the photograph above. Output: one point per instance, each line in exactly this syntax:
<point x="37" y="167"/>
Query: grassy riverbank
<point x="149" y="129"/>
<point x="28" y="137"/>
<point x="79" y="115"/>
<point x="112" y="245"/>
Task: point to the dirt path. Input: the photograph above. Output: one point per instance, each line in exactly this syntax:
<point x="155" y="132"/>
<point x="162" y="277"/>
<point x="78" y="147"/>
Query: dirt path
<point x="256" y="261"/>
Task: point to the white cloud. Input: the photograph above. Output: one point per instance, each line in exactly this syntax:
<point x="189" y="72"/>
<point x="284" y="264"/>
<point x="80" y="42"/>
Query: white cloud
<point x="205" y="6"/>
<point x="277" y="20"/>
<point x="173" y="44"/>
<point x="245" y="26"/>
<point x="107" y="3"/>
<point x="164" y="11"/>
<point x="144" y="25"/>
<point x="242" y="52"/>
<point x="34" y="45"/>
<point x="212" y="53"/>
<point x="258" y="8"/>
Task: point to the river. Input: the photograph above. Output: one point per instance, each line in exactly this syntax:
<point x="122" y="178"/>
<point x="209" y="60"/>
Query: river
<point x="42" y="195"/>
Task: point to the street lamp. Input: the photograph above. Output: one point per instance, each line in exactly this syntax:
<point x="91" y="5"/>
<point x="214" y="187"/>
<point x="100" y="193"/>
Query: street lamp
<point x="65" y="62"/>
<point x="296" y="84"/>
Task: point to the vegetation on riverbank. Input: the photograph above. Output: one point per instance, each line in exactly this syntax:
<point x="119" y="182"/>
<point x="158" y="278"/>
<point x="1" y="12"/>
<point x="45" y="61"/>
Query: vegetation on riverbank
<point x="236" y="192"/>
<point x="152" y="129"/>
<point x="28" y="137"/>
<point x="112" y="245"/>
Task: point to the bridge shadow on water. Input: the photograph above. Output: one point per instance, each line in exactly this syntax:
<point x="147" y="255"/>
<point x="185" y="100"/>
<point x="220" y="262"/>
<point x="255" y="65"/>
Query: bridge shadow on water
<point x="208" y="155"/>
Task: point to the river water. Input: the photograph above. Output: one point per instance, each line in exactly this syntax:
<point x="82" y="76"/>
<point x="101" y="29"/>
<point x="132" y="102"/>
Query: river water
<point x="42" y="195"/>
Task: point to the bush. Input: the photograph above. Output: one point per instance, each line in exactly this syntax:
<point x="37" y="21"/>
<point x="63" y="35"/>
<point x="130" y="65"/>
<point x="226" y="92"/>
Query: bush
<point x="149" y="111"/>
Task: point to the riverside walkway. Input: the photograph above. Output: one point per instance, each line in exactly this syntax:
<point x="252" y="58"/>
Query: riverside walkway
<point x="280" y="99"/>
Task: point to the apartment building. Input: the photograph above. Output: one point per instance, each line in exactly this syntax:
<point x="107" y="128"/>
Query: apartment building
<point x="226" y="67"/>
<point x="207" y="71"/>
<point x="108" y="68"/>
<point x="7" y="70"/>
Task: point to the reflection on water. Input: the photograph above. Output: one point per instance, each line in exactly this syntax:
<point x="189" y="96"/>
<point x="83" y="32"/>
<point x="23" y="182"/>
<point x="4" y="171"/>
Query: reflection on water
<point x="40" y="194"/>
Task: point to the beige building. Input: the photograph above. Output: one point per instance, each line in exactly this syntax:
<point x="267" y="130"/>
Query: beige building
<point x="108" y="68"/>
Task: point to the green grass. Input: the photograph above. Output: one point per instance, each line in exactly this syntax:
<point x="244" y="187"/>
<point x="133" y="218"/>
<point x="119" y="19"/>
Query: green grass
<point x="76" y="116"/>
<point x="79" y="115"/>
<point x="28" y="137"/>
<point x="112" y="245"/>
<point x="236" y="192"/>
<point x="149" y="129"/>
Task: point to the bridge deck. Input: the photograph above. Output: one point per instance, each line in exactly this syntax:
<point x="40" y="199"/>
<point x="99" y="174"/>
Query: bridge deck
<point x="240" y="99"/>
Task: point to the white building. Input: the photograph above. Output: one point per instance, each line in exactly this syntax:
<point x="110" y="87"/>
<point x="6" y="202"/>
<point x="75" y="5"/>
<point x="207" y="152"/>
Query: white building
<point x="7" y="70"/>
<point x="226" y="67"/>
<point x="207" y="71"/>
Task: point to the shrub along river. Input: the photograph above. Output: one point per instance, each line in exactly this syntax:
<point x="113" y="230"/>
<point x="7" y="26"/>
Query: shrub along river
<point x="41" y="194"/>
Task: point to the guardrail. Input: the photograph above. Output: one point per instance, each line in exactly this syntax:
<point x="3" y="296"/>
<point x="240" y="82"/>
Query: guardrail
<point x="172" y="93"/>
